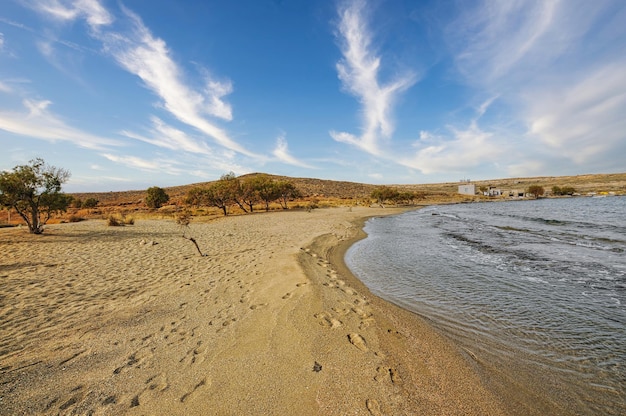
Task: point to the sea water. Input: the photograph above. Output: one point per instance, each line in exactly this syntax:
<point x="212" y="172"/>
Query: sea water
<point x="535" y="291"/>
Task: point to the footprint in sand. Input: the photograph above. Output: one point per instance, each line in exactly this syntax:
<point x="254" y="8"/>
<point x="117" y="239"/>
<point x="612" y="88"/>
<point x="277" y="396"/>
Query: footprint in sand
<point x="327" y="320"/>
<point x="388" y="374"/>
<point x="361" y="313"/>
<point x="287" y="295"/>
<point x="366" y="323"/>
<point x="195" y="355"/>
<point x="373" y="406"/>
<point x="135" y="360"/>
<point x="358" y="341"/>
<point x="186" y="396"/>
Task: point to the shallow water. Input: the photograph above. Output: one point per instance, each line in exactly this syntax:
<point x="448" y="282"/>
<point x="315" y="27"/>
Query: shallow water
<point x="535" y="288"/>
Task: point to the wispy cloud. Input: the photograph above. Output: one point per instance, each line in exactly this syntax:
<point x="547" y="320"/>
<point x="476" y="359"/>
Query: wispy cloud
<point x="155" y="165"/>
<point x="141" y="53"/>
<point x="584" y="119"/>
<point x="281" y="152"/>
<point x="457" y="152"/>
<point x="168" y="137"/>
<point x="68" y="10"/>
<point x="555" y="78"/>
<point x="39" y="122"/>
<point x="359" y="72"/>
<point x="148" y="57"/>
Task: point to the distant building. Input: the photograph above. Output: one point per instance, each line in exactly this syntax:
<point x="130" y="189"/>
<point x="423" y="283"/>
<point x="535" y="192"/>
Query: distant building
<point x="467" y="189"/>
<point x="493" y="191"/>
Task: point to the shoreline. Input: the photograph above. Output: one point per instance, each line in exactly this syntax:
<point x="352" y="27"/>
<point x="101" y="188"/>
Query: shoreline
<point x="130" y="320"/>
<point x="510" y="395"/>
<point x="432" y="374"/>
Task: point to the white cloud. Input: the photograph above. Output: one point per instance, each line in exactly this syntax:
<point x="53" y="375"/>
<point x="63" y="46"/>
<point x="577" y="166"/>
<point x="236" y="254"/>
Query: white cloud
<point x="38" y="122"/>
<point x="464" y="150"/>
<point x="554" y="68"/>
<point x="69" y="10"/>
<point x="166" y="136"/>
<point x="494" y="38"/>
<point x="281" y="152"/>
<point x="156" y="165"/>
<point x="359" y="73"/>
<point x="583" y="119"/>
<point x="140" y="53"/>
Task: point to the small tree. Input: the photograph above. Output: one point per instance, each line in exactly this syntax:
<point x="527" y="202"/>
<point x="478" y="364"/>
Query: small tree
<point x="156" y="197"/>
<point x="286" y="191"/>
<point x="566" y="190"/>
<point x="248" y="193"/>
<point x="536" y="190"/>
<point x="266" y="190"/>
<point x="34" y="191"/>
<point x="90" y="203"/>
<point x="384" y="193"/>
<point x="236" y="190"/>
<point x="217" y="195"/>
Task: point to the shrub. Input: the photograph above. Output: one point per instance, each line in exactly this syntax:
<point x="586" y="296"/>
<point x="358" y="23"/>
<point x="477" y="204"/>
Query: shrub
<point x="114" y="222"/>
<point x="90" y="203"/>
<point x="119" y="221"/>
<point x="156" y="197"/>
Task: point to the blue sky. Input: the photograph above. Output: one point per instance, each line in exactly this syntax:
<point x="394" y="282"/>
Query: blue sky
<point x="133" y="93"/>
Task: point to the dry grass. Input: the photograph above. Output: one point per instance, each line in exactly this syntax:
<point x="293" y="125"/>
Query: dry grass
<point x="117" y="220"/>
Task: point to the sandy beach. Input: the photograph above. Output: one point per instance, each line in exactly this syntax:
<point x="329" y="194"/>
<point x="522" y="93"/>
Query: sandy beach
<point x="132" y="320"/>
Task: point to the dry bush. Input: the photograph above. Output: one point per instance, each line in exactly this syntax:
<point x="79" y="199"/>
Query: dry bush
<point x="183" y="218"/>
<point x="119" y="221"/>
<point x="75" y="218"/>
<point x="114" y="221"/>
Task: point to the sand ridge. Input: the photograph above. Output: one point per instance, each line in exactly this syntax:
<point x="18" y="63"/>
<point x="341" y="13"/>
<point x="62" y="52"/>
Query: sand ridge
<point x="131" y="320"/>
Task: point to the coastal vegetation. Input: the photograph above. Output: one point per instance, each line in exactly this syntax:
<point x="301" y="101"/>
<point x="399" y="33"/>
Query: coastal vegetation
<point x="229" y="191"/>
<point x="260" y="191"/>
<point x="536" y="191"/>
<point x="156" y="197"/>
<point x="565" y="190"/>
<point x="34" y="191"/>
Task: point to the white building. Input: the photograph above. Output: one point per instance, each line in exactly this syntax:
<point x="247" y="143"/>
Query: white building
<point x="467" y="189"/>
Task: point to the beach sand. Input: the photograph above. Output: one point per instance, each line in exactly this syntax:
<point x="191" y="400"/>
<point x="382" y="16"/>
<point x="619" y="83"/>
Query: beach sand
<point x="132" y="320"/>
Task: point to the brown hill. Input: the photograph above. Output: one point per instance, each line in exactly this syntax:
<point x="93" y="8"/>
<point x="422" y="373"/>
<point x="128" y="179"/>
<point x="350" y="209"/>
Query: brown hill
<point x="329" y="189"/>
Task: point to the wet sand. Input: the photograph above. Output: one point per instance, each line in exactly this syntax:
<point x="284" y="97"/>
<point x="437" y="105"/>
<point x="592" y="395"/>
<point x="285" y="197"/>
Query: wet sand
<point x="132" y="320"/>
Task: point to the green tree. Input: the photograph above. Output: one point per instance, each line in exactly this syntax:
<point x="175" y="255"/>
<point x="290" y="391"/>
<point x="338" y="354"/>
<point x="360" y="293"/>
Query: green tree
<point x="217" y="195"/>
<point x="384" y="193"/>
<point x="286" y="191"/>
<point x="248" y="193"/>
<point x="236" y="190"/>
<point x="536" y="190"/>
<point x="566" y="190"/>
<point x="90" y="203"/>
<point x="34" y="191"/>
<point x="266" y="190"/>
<point x="156" y="197"/>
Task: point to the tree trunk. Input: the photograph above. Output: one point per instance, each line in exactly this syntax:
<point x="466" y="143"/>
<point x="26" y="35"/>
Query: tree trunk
<point x="35" y="226"/>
